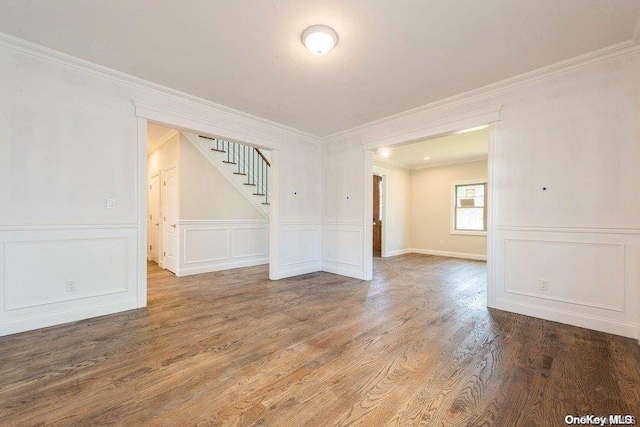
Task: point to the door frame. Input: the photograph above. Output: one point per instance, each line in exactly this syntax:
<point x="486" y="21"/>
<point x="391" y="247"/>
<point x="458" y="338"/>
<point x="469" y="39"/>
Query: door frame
<point x="157" y="173"/>
<point x="165" y="228"/>
<point x="384" y="173"/>
<point x="181" y="121"/>
<point x="447" y="125"/>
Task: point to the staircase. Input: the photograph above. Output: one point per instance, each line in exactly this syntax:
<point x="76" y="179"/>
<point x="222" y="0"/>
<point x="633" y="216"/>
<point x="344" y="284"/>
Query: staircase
<point x="247" y="168"/>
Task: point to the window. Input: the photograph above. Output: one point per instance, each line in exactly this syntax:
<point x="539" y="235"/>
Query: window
<point x="469" y="213"/>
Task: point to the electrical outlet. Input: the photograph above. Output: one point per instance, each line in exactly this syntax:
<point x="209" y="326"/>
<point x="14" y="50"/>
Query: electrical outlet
<point x="441" y="243"/>
<point x="543" y="285"/>
<point x="71" y="286"/>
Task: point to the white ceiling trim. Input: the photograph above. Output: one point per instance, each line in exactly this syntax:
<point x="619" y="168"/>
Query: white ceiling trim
<point x="45" y="53"/>
<point x="202" y="125"/>
<point x="423" y="129"/>
<point x="35" y="50"/>
<point x="496" y="88"/>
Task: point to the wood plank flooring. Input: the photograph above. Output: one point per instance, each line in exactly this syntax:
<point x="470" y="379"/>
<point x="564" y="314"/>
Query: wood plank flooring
<point x="414" y="347"/>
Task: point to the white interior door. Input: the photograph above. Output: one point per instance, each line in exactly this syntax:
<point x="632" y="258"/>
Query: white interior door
<point x="170" y="211"/>
<point x="154" y="218"/>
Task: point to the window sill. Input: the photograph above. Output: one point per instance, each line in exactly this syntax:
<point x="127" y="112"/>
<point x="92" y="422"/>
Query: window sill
<point x="469" y="233"/>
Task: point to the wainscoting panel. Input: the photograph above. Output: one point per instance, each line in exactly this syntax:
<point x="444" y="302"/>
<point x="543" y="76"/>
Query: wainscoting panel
<point x="589" y="274"/>
<point x="583" y="278"/>
<point x="214" y="245"/>
<point x="250" y="241"/>
<point x="205" y="244"/>
<point x="299" y="245"/>
<point x="55" y="275"/>
<point x="342" y="249"/>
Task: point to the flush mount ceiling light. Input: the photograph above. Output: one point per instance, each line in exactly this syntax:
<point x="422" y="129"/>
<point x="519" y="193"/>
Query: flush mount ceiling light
<point x="319" y="39"/>
<point x="384" y="152"/>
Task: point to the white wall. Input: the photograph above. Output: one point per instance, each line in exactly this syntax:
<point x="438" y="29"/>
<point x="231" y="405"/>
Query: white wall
<point x="572" y="128"/>
<point x="343" y="222"/>
<point x="396" y="235"/>
<point x="296" y="191"/>
<point x="205" y="194"/>
<point x="70" y="138"/>
<point x="165" y="156"/>
<point x="431" y="211"/>
<point x="219" y="228"/>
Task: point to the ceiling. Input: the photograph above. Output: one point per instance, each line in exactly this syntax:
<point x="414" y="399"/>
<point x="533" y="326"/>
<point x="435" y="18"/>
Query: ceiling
<point x="449" y="149"/>
<point x="391" y="56"/>
<point x="157" y="135"/>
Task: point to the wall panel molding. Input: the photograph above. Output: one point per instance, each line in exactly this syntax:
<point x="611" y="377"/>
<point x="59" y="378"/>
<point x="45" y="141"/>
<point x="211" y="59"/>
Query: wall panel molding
<point x="592" y="275"/>
<point x="565" y="229"/>
<point x="39" y="261"/>
<point x="298" y="245"/>
<point x="342" y="249"/>
<point x="215" y="245"/>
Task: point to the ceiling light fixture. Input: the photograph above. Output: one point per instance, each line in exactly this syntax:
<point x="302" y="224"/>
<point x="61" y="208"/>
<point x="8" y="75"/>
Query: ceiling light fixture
<point x="384" y="152"/>
<point x="319" y="39"/>
<point x="427" y="158"/>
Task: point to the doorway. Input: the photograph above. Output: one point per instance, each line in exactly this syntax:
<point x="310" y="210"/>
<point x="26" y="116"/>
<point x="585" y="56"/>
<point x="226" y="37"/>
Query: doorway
<point x="170" y="210"/>
<point x="377" y="216"/>
<point x="154" y="228"/>
<point x="450" y="222"/>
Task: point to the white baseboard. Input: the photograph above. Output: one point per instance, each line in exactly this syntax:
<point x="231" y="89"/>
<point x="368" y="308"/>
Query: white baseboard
<point x="221" y="266"/>
<point x="355" y="272"/>
<point x="462" y="255"/>
<point x="397" y="252"/>
<point x="575" y="319"/>
<point x="53" y="319"/>
<point x="285" y="273"/>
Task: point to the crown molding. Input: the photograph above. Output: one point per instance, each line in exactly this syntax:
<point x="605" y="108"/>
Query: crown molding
<point x="41" y="52"/>
<point x="623" y="48"/>
<point x="417" y="127"/>
<point x="35" y="50"/>
<point x="243" y="134"/>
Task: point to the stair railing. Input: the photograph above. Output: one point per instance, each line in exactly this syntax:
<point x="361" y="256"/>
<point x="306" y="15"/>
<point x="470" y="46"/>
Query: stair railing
<point x="249" y="161"/>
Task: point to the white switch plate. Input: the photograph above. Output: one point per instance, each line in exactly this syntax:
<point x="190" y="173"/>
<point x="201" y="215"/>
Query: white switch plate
<point x="111" y="203"/>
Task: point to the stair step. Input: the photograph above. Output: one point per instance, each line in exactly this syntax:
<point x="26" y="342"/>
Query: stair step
<point x="219" y="151"/>
<point x="231" y="163"/>
<point x="259" y="194"/>
<point x="240" y="173"/>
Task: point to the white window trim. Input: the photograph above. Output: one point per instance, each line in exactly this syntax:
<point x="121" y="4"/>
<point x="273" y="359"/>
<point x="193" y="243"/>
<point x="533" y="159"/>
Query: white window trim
<point x="453" y="206"/>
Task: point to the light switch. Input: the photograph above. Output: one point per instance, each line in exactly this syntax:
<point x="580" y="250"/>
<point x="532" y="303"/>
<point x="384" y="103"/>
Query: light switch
<point x="111" y="203"/>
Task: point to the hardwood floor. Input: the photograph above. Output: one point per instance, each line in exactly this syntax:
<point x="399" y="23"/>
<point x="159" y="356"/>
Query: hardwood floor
<point x="415" y="346"/>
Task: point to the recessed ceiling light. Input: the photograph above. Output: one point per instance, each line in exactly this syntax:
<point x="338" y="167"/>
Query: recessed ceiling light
<point x="384" y="152"/>
<point x="427" y="158"/>
<point x="319" y="39"/>
<point x="471" y="129"/>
